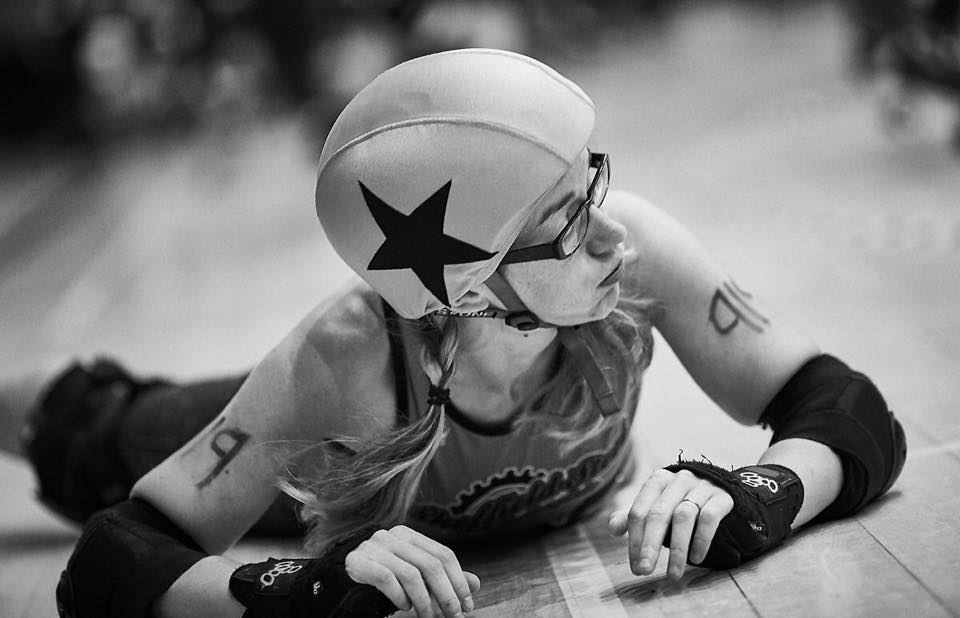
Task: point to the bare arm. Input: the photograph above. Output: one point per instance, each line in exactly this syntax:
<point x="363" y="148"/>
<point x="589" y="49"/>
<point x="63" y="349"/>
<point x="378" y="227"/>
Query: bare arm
<point x="740" y="354"/>
<point x="736" y="349"/>
<point x="201" y="591"/>
<point x="218" y="484"/>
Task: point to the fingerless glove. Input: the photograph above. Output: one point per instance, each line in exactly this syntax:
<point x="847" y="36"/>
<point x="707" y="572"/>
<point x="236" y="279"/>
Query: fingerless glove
<point x="309" y="587"/>
<point x="766" y="500"/>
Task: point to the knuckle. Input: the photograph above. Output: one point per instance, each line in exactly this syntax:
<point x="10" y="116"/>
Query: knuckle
<point x="445" y="554"/>
<point x="709" y="516"/>
<point x="686" y="475"/>
<point x="380" y="579"/>
<point x="409" y="575"/>
<point x="382" y="536"/>
<point x="450" y="604"/>
<point x="350" y="561"/>
<point x="726" y="500"/>
<point x="659" y="512"/>
<point x="635" y="516"/>
<point x="433" y="567"/>
<point x="706" y="485"/>
<point x="662" y="475"/>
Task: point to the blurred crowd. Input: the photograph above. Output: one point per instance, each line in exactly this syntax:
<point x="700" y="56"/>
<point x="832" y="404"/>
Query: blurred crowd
<point x="915" y="45"/>
<point x="82" y="69"/>
<point x="89" y="69"/>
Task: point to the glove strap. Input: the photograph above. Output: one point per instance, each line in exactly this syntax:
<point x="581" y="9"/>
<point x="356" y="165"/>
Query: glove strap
<point x="266" y="588"/>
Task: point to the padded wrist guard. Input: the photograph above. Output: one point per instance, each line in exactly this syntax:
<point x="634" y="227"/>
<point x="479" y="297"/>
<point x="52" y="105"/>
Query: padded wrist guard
<point x="766" y="500"/>
<point x="309" y="587"/>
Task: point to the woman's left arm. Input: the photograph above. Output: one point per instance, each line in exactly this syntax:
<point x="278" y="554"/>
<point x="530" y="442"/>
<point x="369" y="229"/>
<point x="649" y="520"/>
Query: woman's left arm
<point x="758" y="369"/>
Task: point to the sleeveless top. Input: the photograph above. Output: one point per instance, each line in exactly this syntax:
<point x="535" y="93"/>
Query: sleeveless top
<point x="502" y="479"/>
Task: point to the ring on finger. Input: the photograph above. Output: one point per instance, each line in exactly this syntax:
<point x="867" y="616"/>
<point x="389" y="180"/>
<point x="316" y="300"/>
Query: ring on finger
<point x="691" y="502"/>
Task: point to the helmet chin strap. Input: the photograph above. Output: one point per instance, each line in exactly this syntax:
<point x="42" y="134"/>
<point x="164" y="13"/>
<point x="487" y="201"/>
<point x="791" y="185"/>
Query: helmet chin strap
<point x="571" y="337"/>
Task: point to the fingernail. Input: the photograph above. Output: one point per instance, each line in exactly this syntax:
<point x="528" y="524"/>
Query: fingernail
<point x="644" y="565"/>
<point x="468" y="603"/>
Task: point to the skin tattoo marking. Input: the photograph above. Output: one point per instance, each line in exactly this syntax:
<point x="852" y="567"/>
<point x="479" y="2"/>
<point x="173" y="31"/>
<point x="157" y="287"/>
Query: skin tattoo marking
<point x="226" y="443"/>
<point x="730" y="306"/>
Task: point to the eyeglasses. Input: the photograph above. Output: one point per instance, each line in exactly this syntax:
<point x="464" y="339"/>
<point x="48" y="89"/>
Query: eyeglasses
<point x="573" y="233"/>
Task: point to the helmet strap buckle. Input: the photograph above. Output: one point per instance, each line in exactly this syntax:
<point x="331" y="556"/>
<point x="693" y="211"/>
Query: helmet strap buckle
<point x="523" y="321"/>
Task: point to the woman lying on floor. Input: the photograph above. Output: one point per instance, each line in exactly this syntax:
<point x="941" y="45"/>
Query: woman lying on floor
<point x="499" y="334"/>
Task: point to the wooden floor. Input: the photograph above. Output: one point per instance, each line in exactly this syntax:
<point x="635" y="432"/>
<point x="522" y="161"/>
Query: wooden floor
<point x="193" y="255"/>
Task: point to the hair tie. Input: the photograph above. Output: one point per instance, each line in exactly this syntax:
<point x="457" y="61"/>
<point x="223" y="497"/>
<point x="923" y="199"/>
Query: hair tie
<point x="437" y="396"/>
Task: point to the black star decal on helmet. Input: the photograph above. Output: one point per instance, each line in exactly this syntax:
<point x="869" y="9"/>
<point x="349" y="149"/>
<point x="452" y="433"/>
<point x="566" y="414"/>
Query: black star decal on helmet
<point x="417" y="241"/>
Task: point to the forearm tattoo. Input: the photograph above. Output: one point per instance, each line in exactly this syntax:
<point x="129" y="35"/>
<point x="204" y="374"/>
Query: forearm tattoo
<point x="226" y="443"/>
<point x="730" y="307"/>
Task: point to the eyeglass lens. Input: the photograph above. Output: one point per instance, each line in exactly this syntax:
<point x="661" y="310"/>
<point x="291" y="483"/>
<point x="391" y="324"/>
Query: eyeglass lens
<point x="577" y="232"/>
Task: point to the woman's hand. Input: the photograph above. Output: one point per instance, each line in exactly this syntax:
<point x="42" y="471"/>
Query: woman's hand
<point x="691" y="507"/>
<point x="413" y="570"/>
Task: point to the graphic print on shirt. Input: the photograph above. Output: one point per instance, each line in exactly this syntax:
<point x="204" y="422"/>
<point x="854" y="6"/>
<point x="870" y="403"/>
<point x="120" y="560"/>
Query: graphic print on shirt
<point x="513" y="493"/>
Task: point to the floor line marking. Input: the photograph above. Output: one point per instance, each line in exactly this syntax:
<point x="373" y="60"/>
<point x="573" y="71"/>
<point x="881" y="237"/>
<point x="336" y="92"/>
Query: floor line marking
<point x="582" y="577"/>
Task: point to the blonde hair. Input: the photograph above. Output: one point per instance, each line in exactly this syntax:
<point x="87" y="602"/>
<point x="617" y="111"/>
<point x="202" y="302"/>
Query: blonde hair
<point x="378" y="483"/>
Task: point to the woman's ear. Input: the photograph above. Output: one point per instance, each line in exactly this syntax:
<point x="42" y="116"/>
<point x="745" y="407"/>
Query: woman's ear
<point x="470" y="302"/>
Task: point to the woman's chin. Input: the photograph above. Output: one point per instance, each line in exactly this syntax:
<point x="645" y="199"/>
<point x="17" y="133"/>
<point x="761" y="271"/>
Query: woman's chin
<point x="603" y="307"/>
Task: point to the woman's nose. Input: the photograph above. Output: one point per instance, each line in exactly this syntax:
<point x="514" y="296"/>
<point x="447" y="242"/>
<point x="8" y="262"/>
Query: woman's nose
<point x="604" y="234"/>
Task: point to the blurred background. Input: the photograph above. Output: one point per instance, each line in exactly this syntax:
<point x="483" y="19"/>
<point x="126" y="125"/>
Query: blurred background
<point x="158" y="156"/>
<point x="81" y="70"/>
<point x="157" y="162"/>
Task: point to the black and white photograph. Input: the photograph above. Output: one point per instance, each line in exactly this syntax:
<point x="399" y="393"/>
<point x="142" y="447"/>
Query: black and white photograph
<point x="479" y="308"/>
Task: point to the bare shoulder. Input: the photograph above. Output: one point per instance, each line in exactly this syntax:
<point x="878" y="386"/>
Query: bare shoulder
<point x="330" y="376"/>
<point x="351" y="323"/>
<point x="344" y="344"/>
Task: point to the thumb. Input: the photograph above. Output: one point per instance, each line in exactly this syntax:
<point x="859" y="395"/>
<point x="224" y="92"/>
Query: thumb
<point x="618" y="523"/>
<point x="473" y="581"/>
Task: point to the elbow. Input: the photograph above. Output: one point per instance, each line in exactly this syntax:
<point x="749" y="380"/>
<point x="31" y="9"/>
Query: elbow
<point x="829" y="403"/>
<point x="126" y="557"/>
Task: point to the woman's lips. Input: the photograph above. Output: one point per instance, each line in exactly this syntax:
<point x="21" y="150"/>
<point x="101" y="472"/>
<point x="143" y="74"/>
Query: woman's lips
<point x="614" y="276"/>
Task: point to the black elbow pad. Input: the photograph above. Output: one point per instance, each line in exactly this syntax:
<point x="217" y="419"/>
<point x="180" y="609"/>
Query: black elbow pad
<point x="127" y="556"/>
<point x="827" y="402"/>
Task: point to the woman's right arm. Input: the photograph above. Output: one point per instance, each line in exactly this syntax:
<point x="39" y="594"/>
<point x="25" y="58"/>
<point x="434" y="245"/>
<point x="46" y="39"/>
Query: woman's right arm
<point x="201" y="591"/>
<point x="159" y="549"/>
<point x="328" y="377"/>
<point x="325" y="378"/>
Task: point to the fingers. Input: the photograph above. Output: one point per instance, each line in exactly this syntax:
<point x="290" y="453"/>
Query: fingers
<point x="415" y="571"/>
<point x="641" y="561"/>
<point x="363" y="568"/>
<point x="683" y="523"/>
<point x="452" y="570"/>
<point x="658" y="518"/>
<point x="474" y="582"/>
<point x="432" y="573"/>
<point x="618" y="522"/>
<point x="711" y="514"/>
<point x="670" y="501"/>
